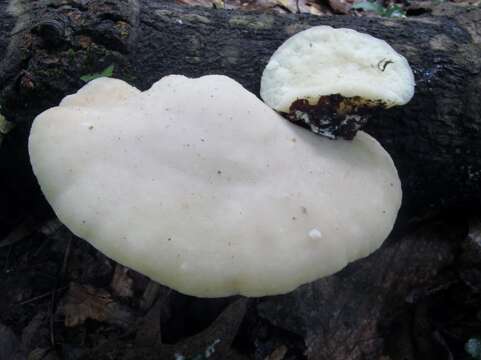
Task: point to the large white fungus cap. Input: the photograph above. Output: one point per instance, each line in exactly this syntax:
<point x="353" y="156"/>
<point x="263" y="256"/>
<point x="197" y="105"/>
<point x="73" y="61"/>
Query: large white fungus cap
<point x="323" y="61"/>
<point x="202" y="187"/>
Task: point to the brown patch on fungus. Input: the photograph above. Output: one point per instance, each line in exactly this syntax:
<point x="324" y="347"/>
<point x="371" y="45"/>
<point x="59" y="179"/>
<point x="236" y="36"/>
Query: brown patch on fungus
<point x="334" y="115"/>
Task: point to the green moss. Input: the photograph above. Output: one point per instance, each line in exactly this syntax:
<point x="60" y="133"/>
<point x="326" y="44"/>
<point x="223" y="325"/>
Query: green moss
<point x="51" y="73"/>
<point x="71" y="54"/>
<point x="262" y="22"/>
<point x="123" y="29"/>
<point x="5" y="126"/>
<point x="93" y="54"/>
<point x="194" y="18"/>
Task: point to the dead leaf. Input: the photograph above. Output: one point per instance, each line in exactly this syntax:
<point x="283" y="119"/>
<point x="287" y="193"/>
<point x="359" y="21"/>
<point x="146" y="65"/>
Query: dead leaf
<point x="219" y="336"/>
<point x="30" y="334"/>
<point x="84" y="302"/>
<point x="149" y="330"/>
<point x="341" y="6"/>
<point x="312" y="7"/>
<point x="121" y="282"/>
<point x="259" y="5"/>
<point x="214" y="342"/>
<point x="278" y="354"/>
<point x="38" y="354"/>
<point x="150" y="294"/>
<point x="288" y="4"/>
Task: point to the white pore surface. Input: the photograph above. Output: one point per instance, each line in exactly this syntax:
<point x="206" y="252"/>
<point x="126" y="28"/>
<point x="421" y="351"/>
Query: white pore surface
<point x="322" y="61"/>
<point x="204" y="188"/>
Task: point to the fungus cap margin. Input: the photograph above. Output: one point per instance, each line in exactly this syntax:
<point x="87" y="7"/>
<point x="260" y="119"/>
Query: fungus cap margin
<point x="323" y="61"/>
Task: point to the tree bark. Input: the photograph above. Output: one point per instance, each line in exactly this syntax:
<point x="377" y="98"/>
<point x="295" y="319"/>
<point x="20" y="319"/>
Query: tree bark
<point x="434" y="140"/>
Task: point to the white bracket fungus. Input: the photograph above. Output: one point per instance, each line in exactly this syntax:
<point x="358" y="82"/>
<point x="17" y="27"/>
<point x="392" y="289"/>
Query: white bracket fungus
<point x="204" y="188"/>
<point x="331" y="80"/>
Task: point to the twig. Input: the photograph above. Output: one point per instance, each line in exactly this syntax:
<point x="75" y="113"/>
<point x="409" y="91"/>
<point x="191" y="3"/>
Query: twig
<point x="66" y="256"/>
<point x="40" y="296"/>
<point x="41" y="247"/>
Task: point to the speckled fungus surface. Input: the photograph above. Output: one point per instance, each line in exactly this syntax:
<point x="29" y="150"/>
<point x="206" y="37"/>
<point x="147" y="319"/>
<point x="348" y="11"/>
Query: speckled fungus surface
<point x="331" y="80"/>
<point x="204" y="188"/>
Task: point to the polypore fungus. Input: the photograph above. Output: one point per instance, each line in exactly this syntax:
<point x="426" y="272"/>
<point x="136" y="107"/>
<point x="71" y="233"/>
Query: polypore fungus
<point x="331" y="80"/>
<point x="204" y="188"/>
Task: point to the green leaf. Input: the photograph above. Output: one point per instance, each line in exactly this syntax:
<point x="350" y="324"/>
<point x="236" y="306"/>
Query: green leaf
<point x="391" y="11"/>
<point x="394" y="11"/>
<point x="473" y="348"/>
<point x="107" y="72"/>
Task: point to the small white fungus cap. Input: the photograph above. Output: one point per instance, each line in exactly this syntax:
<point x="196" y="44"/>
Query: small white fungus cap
<point x="199" y="185"/>
<point x="323" y="61"/>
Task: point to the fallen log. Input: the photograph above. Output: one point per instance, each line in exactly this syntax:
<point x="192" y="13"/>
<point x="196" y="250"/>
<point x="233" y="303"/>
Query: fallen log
<point x="46" y="47"/>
